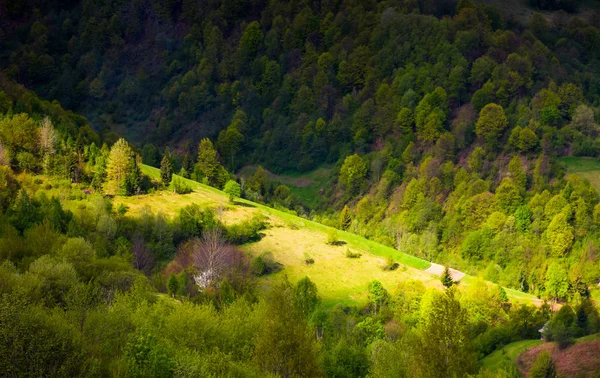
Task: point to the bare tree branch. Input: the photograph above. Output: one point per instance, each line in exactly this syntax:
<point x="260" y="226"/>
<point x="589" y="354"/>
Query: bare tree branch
<point x="143" y="260"/>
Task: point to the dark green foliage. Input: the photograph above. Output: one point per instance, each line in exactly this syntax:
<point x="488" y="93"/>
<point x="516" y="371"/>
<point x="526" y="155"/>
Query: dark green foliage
<point x="246" y="231"/>
<point x="264" y="264"/>
<point x="173" y="285"/>
<point x="166" y="169"/>
<point x="446" y="278"/>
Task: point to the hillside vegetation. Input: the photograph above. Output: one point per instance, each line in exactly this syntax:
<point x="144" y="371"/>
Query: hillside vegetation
<point x="374" y="142"/>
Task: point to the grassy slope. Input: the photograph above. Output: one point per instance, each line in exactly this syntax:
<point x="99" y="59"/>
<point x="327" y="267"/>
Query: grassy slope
<point x="585" y="167"/>
<point x="305" y="187"/>
<point x="338" y="278"/>
<point x="511" y="351"/>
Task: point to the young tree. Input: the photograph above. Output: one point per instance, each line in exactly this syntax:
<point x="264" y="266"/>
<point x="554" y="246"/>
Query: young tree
<point x="230" y="142"/>
<point x="166" y="168"/>
<point x="208" y="164"/>
<point x="306" y="297"/>
<point x="446" y="278"/>
<point x="48" y="141"/>
<point x="560" y="234"/>
<point x="444" y="336"/>
<point x="490" y="125"/>
<point x="121" y="169"/>
<point x="353" y="173"/>
<point x="378" y="295"/>
<point x="557" y="282"/>
<point x="173" y="285"/>
<point x="285" y="345"/>
<point x="345" y="218"/>
<point x="233" y="189"/>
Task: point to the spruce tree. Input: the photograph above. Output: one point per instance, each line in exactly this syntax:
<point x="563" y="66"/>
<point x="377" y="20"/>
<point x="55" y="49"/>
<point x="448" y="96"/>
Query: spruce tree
<point x="166" y="168"/>
<point x="447" y="278"/>
<point x="345" y="218"/>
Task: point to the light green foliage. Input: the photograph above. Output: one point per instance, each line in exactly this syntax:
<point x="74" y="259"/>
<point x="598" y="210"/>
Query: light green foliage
<point x="560" y="234"/>
<point x="147" y="358"/>
<point x="19" y="133"/>
<point x="208" y="164"/>
<point x="233" y="189"/>
<point x="306" y="297"/>
<point x="517" y="173"/>
<point x="444" y="334"/>
<point x="483" y="303"/>
<point x="378" y="295"/>
<point x="508" y="196"/>
<point x="490" y="125"/>
<point x="284" y="344"/>
<point x="557" y="282"/>
<point x="353" y="173"/>
<point x="122" y="170"/>
<point x="332" y="236"/>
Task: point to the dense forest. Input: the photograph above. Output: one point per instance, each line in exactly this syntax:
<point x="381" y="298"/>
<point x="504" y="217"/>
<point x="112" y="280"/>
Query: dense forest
<point x="444" y="125"/>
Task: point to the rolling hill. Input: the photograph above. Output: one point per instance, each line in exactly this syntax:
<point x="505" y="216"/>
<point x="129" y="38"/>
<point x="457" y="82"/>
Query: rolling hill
<point x="290" y="238"/>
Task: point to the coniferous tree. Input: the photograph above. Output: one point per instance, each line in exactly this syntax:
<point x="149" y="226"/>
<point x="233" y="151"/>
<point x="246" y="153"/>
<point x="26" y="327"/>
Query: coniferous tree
<point x="447" y="278"/>
<point x="345" y="218"/>
<point x="166" y="168"/>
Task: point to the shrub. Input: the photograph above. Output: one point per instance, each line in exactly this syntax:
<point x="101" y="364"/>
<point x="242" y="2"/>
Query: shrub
<point x="308" y="260"/>
<point x="264" y="264"/>
<point x="180" y="187"/>
<point x="390" y="264"/>
<point x="352" y="255"/>
<point x="246" y="231"/>
<point x="332" y="237"/>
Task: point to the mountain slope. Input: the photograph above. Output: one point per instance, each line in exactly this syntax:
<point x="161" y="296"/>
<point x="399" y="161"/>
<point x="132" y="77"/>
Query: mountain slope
<point x="290" y="238"/>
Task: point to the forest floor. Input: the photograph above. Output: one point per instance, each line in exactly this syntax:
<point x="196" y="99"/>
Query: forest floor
<point x="292" y="239"/>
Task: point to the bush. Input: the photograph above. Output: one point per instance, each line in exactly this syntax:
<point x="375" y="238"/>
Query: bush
<point x="246" y="231"/>
<point x="352" y="255"/>
<point x="390" y="264"/>
<point x="180" y="187"/>
<point x="264" y="264"/>
<point x="308" y="260"/>
<point x="332" y="237"/>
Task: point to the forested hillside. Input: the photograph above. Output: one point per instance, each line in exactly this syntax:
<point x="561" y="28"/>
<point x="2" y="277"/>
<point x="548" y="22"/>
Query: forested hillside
<point x="451" y="131"/>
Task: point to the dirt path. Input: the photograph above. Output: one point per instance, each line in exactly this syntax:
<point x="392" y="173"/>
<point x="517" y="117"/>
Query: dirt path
<point x="438" y="270"/>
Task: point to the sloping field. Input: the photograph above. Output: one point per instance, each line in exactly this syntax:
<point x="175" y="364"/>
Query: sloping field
<point x="584" y="167"/>
<point x="579" y="360"/>
<point x="291" y="239"/>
